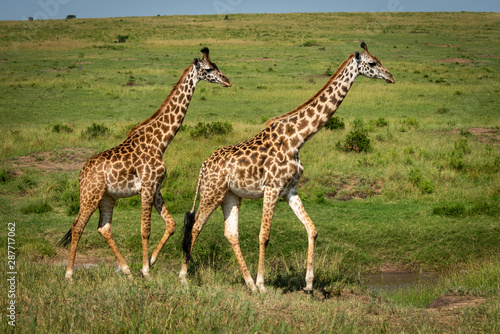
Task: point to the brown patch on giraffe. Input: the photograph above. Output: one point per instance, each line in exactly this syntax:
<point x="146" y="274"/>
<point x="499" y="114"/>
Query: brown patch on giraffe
<point x="63" y="160"/>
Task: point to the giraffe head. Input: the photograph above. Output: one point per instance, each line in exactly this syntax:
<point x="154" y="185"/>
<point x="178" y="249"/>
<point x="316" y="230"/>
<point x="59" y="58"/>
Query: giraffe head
<point x="371" y="67"/>
<point x="208" y="71"/>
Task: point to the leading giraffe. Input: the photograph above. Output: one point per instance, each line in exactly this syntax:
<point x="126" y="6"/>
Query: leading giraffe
<point x="136" y="167"/>
<point x="268" y="166"/>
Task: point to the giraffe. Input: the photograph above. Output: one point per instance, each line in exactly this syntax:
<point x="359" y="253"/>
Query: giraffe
<point x="268" y="166"/>
<point x="136" y="167"/>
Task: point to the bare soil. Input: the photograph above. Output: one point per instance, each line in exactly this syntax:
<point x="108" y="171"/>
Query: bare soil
<point x="63" y="160"/>
<point x="485" y="135"/>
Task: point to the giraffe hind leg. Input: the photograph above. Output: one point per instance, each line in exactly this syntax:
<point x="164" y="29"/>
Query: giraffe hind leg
<point x="194" y="224"/>
<point x="170" y="225"/>
<point x="106" y="206"/>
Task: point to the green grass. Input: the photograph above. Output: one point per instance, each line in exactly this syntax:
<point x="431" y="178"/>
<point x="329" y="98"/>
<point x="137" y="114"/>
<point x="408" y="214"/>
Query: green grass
<point x="424" y="197"/>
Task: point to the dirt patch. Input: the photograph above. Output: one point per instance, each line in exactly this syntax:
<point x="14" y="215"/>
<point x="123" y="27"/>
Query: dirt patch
<point x="63" y="160"/>
<point x="484" y="135"/>
<point x="82" y="261"/>
<point x="354" y="187"/>
<point x="454" y="302"/>
<point x="446" y="309"/>
<point x="455" y="60"/>
<point x="444" y="45"/>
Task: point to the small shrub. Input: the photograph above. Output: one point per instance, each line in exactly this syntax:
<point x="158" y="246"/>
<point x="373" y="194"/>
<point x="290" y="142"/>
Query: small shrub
<point x="415" y="175"/>
<point x="462" y="146"/>
<point x="208" y="129"/>
<point x="410" y="122"/>
<point x="4" y="175"/>
<point x="427" y="187"/>
<point x="358" y="123"/>
<point x="455" y="160"/>
<point x="335" y="123"/>
<point x="381" y="122"/>
<point x="37" y="207"/>
<point x="121" y="38"/>
<point x="96" y="130"/>
<point x="356" y="141"/>
<point x="58" y="128"/>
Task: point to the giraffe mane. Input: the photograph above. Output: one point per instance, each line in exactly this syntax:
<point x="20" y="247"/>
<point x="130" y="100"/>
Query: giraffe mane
<point x="167" y="100"/>
<point x="294" y="111"/>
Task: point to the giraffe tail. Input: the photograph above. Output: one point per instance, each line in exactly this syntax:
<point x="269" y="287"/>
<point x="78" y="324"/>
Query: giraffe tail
<point x="66" y="240"/>
<point x="189" y="219"/>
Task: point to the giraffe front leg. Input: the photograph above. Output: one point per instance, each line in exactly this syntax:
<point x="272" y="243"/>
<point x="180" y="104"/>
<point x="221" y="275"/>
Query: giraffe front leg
<point x="147" y="196"/>
<point x="230" y="208"/>
<point x="270" y="200"/>
<point x="170" y="225"/>
<point x="298" y="208"/>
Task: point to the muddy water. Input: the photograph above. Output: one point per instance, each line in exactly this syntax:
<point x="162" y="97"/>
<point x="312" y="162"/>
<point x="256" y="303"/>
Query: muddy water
<point x="395" y="281"/>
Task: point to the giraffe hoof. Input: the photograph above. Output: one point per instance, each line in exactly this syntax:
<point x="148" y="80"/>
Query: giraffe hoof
<point x="308" y="292"/>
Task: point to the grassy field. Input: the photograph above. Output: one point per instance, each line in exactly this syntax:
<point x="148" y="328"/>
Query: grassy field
<point x="424" y="197"/>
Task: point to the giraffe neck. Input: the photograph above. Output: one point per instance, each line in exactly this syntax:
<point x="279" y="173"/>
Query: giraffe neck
<point x="163" y="125"/>
<point x="300" y="124"/>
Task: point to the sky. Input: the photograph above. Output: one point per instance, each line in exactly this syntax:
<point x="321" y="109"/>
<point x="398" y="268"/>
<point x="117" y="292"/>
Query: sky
<point x="59" y="9"/>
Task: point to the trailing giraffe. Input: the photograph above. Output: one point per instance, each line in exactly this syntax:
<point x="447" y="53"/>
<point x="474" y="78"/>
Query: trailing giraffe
<point x="268" y="166"/>
<point x="136" y="167"/>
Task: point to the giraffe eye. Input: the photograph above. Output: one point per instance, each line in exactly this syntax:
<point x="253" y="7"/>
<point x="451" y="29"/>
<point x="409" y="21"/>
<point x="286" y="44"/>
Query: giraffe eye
<point x="372" y="64"/>
<point x="209" y="70"/>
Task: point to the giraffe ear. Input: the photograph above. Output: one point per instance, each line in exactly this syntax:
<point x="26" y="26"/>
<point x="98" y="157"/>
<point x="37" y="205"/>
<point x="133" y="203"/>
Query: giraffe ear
<point x="196" y="63"/>
<point x="364" y="46"/>
<point x="357" y="56"/>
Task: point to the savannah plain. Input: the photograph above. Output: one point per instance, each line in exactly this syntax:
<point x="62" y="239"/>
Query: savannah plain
<point x="424" y="197"/>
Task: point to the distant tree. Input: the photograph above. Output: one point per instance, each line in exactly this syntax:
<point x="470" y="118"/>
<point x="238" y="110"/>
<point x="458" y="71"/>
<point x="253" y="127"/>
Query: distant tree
<point x="30" y="18"/>
<point x="69" y="17"/>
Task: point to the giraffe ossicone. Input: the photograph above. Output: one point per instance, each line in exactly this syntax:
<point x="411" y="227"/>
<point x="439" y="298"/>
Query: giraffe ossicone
<point x="136" y="167"/>
<point x="268" y="166"/>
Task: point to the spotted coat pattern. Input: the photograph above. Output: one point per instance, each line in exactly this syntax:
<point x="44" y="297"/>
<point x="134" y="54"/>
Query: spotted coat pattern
<point x="136" y="167"/>
<point x="268" y="166"/>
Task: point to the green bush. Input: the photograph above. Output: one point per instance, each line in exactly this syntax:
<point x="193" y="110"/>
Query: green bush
<point x="356" y="141"/>
<point x="58" y="128"/>
<point x="335" y="123"/>
<point x="96" y="130"/>
<point x="462" y="146"/>
<point x="208" y="129"/>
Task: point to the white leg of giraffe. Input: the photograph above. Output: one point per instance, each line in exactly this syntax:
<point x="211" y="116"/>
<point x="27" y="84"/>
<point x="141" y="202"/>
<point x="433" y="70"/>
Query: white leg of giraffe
<point x="105" y="216"/>
<point x="270" y="200"/>
<point x="147" y="198"/>
<point x="230" y="208"/>
<point x="297" y="207"/>
<point x="169" y="221"/>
